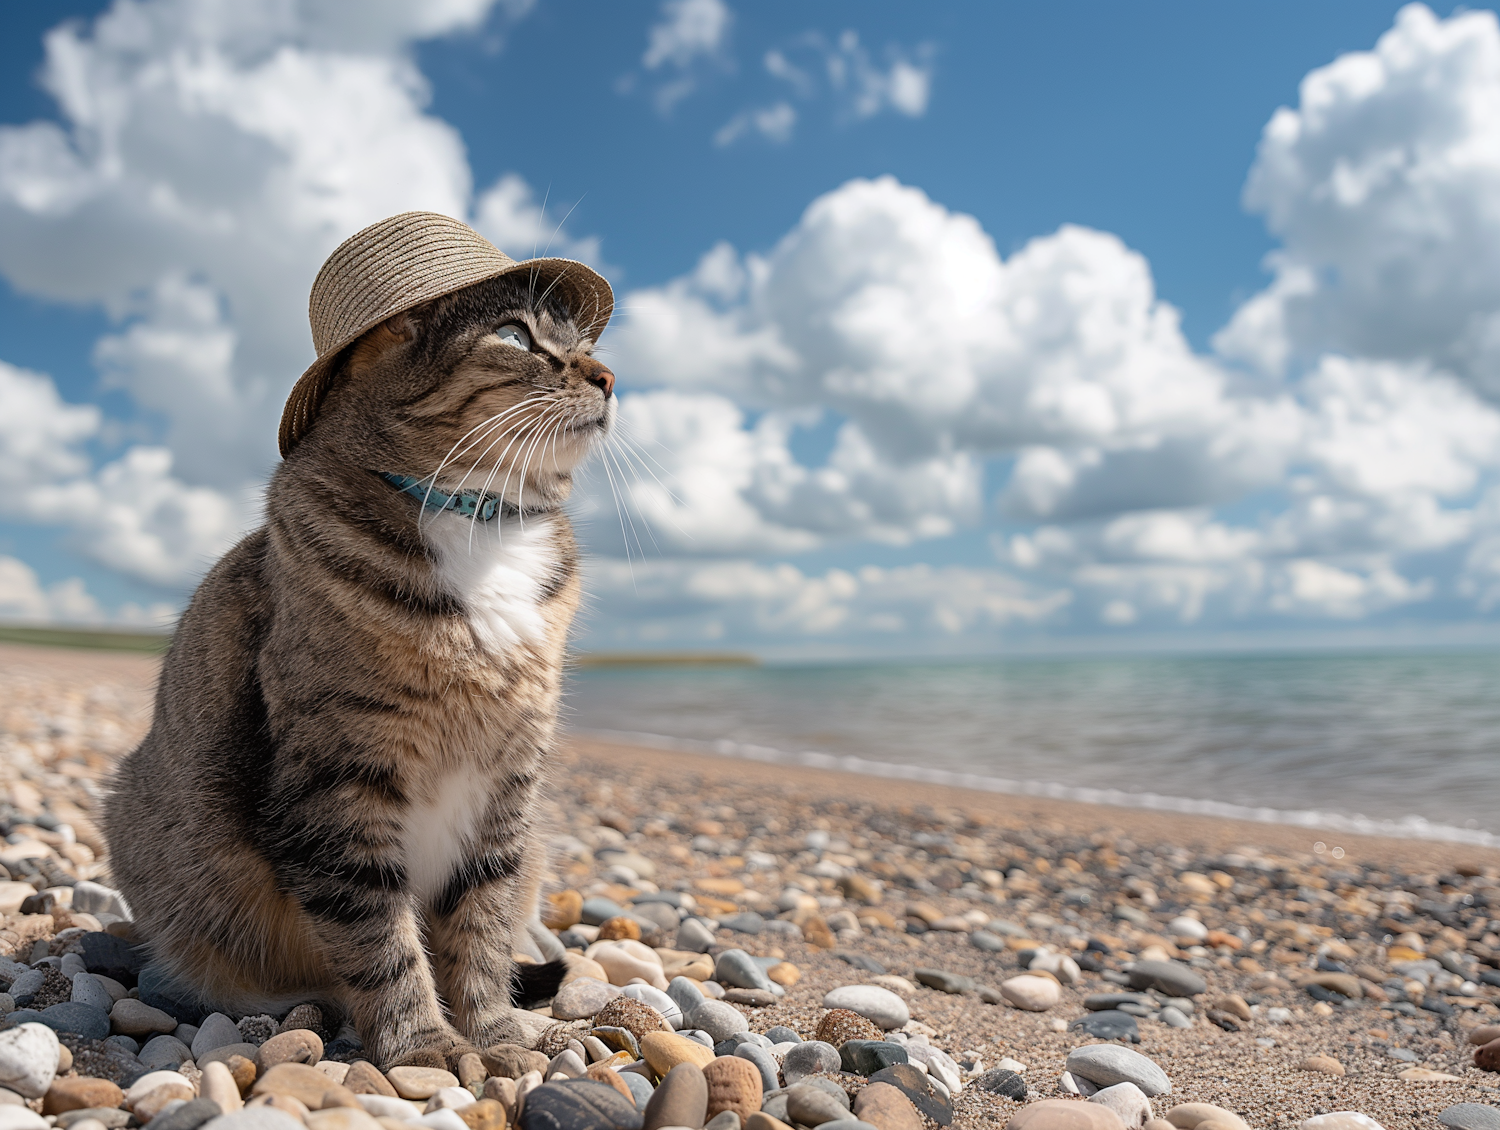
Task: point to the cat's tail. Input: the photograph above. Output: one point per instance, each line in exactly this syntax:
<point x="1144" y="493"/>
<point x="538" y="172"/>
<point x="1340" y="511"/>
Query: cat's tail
<point x="534" y="983"/>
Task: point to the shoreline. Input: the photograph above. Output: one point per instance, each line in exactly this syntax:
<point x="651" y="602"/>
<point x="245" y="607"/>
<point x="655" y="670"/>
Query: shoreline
<point x="1191" y="830"/>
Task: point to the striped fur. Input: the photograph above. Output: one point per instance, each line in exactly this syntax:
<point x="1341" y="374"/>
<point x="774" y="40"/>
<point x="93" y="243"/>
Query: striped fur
<point x="336" y="798"/>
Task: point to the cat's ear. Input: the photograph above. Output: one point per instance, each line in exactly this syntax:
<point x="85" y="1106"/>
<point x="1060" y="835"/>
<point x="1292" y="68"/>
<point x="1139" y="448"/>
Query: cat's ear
<point x="379" y="340"/>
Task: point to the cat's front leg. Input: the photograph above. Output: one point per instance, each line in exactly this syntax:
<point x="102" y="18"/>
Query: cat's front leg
<point x="352" y="887"/>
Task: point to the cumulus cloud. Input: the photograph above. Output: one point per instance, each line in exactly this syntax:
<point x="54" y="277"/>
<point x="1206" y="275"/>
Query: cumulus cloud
<point x="1383" y="185"/>
<point x="188" y="190"/>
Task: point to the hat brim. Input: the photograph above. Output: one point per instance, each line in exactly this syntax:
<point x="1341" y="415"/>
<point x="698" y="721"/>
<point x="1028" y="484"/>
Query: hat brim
<point x="589" y="298"/>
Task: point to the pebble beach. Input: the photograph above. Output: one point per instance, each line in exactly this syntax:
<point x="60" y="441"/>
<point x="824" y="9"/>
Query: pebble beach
<point x="762" y="946"/>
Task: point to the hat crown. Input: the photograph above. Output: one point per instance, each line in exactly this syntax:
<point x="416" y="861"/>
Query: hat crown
<point x="391" y="266"/>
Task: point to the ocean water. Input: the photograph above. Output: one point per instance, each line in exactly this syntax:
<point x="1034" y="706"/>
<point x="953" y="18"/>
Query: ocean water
<point x="1390" y="744"/>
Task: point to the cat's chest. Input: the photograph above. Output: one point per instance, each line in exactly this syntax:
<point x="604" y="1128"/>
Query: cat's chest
<point x="499" y="571"/>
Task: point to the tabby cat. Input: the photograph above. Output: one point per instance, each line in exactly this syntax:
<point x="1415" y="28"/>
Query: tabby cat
<point x="335" y="801"/>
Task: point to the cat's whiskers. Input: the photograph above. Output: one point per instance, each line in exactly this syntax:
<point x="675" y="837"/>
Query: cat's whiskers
<point x="486" y="426"/>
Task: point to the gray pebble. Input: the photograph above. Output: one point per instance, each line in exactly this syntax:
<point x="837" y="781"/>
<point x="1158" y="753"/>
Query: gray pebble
<point x="847" y="1124"/>
<point x="698" y="1035"/>
<point x="774" y="1106"/>
<point x="989" y="943"/>
<point x="125" y="1042"/>
<point x="1171" y="977"/>
<point x="781" y="1034"/>
<point x="1107" y="1064"/>
<point x="72" y="965"/>
<point x="746" y="923"/>
<point x="813" y="1106"/>
<point x="188" y="1116"/>
<point x="582" y="997"/>
<point x="944" y="981"/>
<point x="28" y="1059"/>
<point x="24" y="987"/>
<point x="738" y="968"/>
<point x="769" y="1079"/>
<point x="1471" y="1116"/>
<point x="1173" y="1018"/>
<point x="811" y="1057"/>
<point x="164" y="1052"/>
<point x="685" y="994"/>
<point x="257" y="1118"/>
<point x="80" y="1019"/>
<point x="597" y="911"/>
<point x="216" y="1031"/>
<point x="694" y="936"/>
<point x="724" y="1120"/>
<point x="670" y="1011"/>
<point x="640" y="1088"/>
<point x="89" y="990"/>
<point x="719" y="1020"/>
<point x="872" y="1002"/>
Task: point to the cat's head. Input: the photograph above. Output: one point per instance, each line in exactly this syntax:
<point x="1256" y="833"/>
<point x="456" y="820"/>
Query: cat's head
<point x="491" y="388"/>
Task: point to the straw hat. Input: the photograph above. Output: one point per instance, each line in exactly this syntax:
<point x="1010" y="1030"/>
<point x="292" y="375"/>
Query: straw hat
<point x="402" y="262"/>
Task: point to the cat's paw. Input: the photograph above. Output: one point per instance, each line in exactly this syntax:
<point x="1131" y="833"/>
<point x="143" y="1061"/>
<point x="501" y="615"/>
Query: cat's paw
<point x="444" y="1056"/>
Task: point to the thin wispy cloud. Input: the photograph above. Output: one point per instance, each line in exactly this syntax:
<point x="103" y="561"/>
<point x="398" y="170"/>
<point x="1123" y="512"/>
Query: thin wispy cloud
<point x="691" y="36"/>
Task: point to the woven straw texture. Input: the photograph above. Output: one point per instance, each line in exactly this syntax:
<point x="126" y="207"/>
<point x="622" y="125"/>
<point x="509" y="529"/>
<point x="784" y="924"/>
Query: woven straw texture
<point x="402" y="262"/>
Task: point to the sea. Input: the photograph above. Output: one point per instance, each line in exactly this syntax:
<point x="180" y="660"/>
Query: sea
<point x="1394" y="744"/>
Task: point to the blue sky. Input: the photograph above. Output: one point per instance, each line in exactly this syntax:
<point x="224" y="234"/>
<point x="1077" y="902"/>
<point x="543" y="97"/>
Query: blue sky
<point x="832" y="229"/>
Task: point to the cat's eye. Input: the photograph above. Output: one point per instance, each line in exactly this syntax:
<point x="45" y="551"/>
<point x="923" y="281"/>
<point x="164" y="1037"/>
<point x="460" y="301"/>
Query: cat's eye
<point x="515" y="335"/>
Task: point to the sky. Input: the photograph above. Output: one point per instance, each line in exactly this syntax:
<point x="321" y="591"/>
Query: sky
<point x="943" y="329"/>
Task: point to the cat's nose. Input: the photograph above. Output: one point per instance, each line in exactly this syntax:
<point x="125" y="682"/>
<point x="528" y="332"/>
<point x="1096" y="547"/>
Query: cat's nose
<point x="598" y="375"/>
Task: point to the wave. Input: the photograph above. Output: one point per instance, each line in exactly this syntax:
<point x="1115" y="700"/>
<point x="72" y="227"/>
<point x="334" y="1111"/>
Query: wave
<point x="1406" y="827"/>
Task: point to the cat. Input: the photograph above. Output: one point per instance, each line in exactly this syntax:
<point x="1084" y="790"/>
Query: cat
<point x="355" y="715"/>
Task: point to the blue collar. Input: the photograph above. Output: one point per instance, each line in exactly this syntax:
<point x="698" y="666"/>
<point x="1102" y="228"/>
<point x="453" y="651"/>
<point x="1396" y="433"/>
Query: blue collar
<point x="466" y="503"/>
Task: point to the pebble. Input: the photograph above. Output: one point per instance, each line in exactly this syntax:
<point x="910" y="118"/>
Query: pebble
<point x="694" y="936"/>
<point x="218" y="1084"/>
<point x="1484" y="1034"/>
<point x="134" y="1018"/>
<point x="635" y="1016"/>
<point x="20" y="1118"/>
<point x="763" y="1062"/>
<point x="1341" y="1120"/>
<point x="1002" y="1081"/>
<point x="989" y="943"/>
<point x="420" y="1082"/>
<point x="1174" y="1018"/>
<point x="89" y="990"/>
<point x="719" y="1020"/>
<point x="865" y="1057"/>
<point x="680" y="1099"/>
<point x="1487" y="1057"/>
<point x="1188" y="1116"/>
<point x="1471" y="1116"/>
<point x="1112" y="1025"/>
<point x="1324" y="1063"/>
<point x="724" y="1120"/>
<point x="216" y="1031"/>
<point x="1171" y="977"/>
<point x="80" y="1019"/>
<point x="811" y="1057"/>
<point x="1033" y="994"/>
<point x="191" y="1115"/>
<point x="813" y="1106"/>
<point x="781" y="1034"/>
<point x="625" y="960"/>
<point x="944" y="981"/>
<point x="582" y="997"/>
<point x="1185" y="927"/>
<point x="662" y="1002"/>
<point x="1064" y="1114"/>
<point x="880" y="1006"/>
<point x="579" y="1104"/>
<point x="882" y="1105"/>
<point x="916" y="1087"/>
<point x="734" y="1084"/>
<point x="665" y="1051"/>
<point x="1128" y="1102"/>
<point x="1107" y="1064"/>
<point x="80" y="1092"/>
<point x="597" y="911"/>
<point x="300" y="1045"/>
<point x="510" y="1061"/>
<point x="28" y="1059"/>
<point x="257" y="1118"/>
<point x="736" y="967"/>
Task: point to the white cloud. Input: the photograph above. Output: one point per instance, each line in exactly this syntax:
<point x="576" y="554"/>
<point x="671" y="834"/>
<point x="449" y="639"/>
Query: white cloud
<point x="904" y="86"/>
<point x="690" y="34"/>
<point x="208" y="158"/>
<point x="774" y="123"/>
<point x="1383" y="184"/>
<point x="23" y="598"/>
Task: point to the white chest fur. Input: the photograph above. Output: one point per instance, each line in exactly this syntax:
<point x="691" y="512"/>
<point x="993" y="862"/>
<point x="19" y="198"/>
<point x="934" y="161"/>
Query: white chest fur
<point x="498" y="570"/>
<point x="439" y="831"/>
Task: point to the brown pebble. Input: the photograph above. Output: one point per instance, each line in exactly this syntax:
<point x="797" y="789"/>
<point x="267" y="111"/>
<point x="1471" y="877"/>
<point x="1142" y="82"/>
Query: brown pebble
<point x="341" y="1118"/>
<point x="242" y="1070"/>
<point x="733" y="1084"/>
<point x="562" y="910"/>
<point x="755" y="998"/>
<point x="1324" y="1063"/>
<point x="503" y="1091"/>
<point x="1190" y="1116"/>
<point x="308" y="1016"/>
<point x="300" y="1045"/>
<point x="149" y="1105"/>
<point x="615" y="929"/>
<point x="610" y="1078"/>
<point x="636" y="1017"/>
<point x="664" y="1051"/>
<point x="420" y="1082"/>
<point x="815" y="932"/>
<point x="841" y="1024"/>
<point x="680" y="1099"/>
<point x="1064" y="1114"/>
<point x="218" y="1084"/>
<point x="306" y="1084"/>
<point x="1235" y="1005"/>
<point x="884" y="1106"/>
<point x="284" y="1103"/>
<point x="1484" y="1034"/>
<point x="486" y="1114"/>
<point x="785" y="974"/>
<point x="64" y="1059"/>
<point x="364" y="1078"/>
<point x="511" y="1061"/>
<point x="1487" y="1058"/>
<point x="224" y="1054"/>
<point x="79" y="1093"/>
